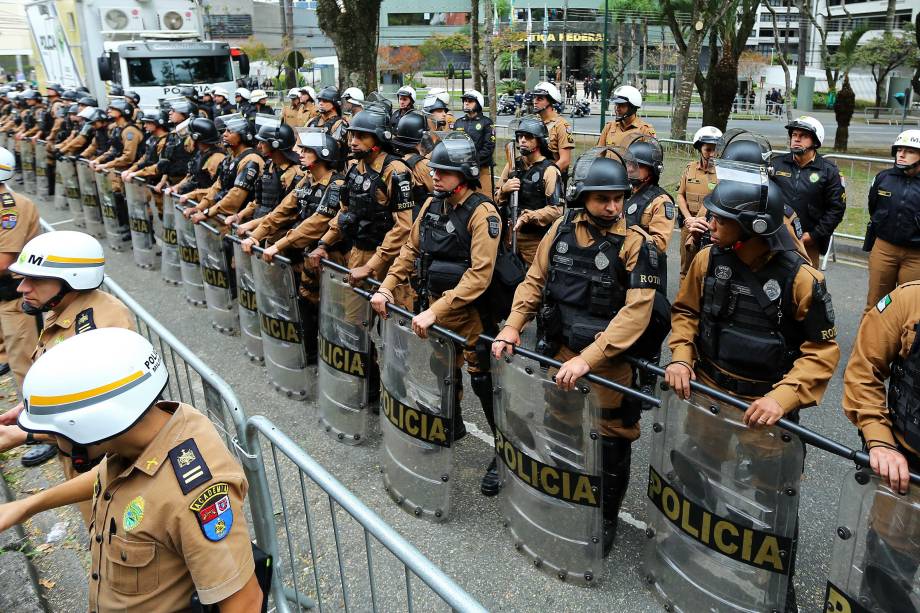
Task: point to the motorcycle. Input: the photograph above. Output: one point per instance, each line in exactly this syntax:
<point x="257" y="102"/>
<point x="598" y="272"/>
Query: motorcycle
<point x="507" y="105"/>
<point x="581" y="108"/>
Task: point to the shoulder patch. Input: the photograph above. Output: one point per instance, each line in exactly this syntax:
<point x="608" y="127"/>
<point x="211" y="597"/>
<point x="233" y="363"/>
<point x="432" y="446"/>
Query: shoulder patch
<point x="8" y="219"/>
<point x="85" y="321"/>
<point x="495" y="226"/>
<point x="669" y="210"/>
<point x="213" y="511"/>
<point x="128" y="135"/>
<point x="190" y="468"/>
<point x="883" y="303"/>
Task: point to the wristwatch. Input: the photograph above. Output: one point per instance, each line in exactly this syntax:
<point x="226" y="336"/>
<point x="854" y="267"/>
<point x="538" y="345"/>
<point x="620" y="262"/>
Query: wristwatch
<point x="30" y="439"/>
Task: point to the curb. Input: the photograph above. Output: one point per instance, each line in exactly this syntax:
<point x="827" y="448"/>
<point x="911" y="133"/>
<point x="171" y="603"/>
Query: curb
<point x="16" y="569"/>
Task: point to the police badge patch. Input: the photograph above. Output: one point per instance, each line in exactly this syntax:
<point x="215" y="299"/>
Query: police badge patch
<point x="632" y="208"/>
<point x="771" y="289"/>
<point x="213" y="511"/>
<point x="8" y="219"/>
<point x="669" y="210"/>
<point x="495" y="226"/>
<point x="723" y="272"/>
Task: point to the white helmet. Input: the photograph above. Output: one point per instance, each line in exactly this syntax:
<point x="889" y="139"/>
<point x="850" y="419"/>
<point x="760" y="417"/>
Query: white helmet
<point x="7" y="164"/>
<point x="405" y="90"/>
<point x="87" y="112"/>
<point x="242" y="92"/>
<point x="306" y="89"/>
<point x="353" y="95"/>
<point x="93" y="386"/>
<point x="437" y="98"/>
<point x="707" y="135"/>
<point x="293" y="93"/>
<point x="472" y="94"/>
<point x="809" y="124"/>
<point x="545" y="88"/>
<point x="627" y="94"/>
<point x="907" y="138"/>
<point x="75" y="258"/>
<point x="258" y="95"/>
<point x="220" y="91"/>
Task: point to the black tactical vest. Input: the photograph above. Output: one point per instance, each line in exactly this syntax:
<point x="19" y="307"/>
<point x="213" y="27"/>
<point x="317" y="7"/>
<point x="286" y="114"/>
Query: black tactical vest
<point x="445" y="243"/>
<point x="174" y="160"/>
<point x="586" y="286"/>
<point x="268" y="191"/>
<point x="638" y="202"/>
<point x="28" y="119"/>
<point x="227" y="172"/>
<point x="747" y="320"/>
<point x="197" y="170"/>
<point x="117" y="147"/>
<point x="896" y="218"/>
<point x="532" y="195"/>
<point x="64" y="132"/>
<point x="101" y="138"/>
<point x="150" y="154"/>
<point x="45" y="120"/>
<point x="366" y="222"/>
<point x="904" y="393"/>
<point x="314" y="198"/>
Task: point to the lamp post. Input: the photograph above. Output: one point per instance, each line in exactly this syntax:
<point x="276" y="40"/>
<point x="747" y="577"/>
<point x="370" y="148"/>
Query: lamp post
<point x="604" y="65"/>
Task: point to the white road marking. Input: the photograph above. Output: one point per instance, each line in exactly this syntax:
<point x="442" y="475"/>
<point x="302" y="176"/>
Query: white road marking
<point x="475" y="431"/>
<point x="63" y="221"/>
<point x="632" y="521"/>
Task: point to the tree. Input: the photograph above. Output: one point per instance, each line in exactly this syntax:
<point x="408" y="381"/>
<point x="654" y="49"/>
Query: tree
<point x="406" y="61"/>
<point x="845" y="105"/>
<point x="352" y="26"/>
<point x="882" y="55"/>
<point x="474" y="44"/>
<point x="831" y="72"/>
<point x="783" y="51"/>
<point x="256" y="50"/>
<point x="490" y="59"/>
<point x="434" y="48"/>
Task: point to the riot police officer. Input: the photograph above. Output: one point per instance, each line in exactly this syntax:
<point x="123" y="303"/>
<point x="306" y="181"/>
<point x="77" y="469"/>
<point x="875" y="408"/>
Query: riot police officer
<point x="294" y="115"/>
<point x="811" y="185"/>
<point x="80" y="135"/>
<point x="173" y="163"/>
<point x="405" y="97"/>
<point x="156" y="124"/>
<point x="561" y="141"/>
<point x="479" y="128"/>
<point x="411" y="131"/>
<point x="125" y="141"/>
<point x="99" y="140"/>
<point x="456" y="239"/>
<point x="625" y="125"/>
<point x="352" y="102"/>
<point x="893" y="237"/>
<point x="329" y="115"/>
<point x="205" y="163"/>
<point x="538" y="183"/>
<point x="436" y="104"/>
<point x="222" y="105"/>
<point x="650" y="206"/>
<point x="696" y="182"/>
<point x="616" y="266"/>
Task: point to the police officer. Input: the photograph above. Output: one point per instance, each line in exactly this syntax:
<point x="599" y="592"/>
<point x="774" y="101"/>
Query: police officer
<point x="173" y="163"/>
<point x="308" y="100"/>
<point x="156" y="124"/>
<point x="894" y="233"/>
<point x="126" y="138"/>
<point x="294" y="115"/>
<point x="561" y="141"/>
<point x="222" y="105"/>
<point x="205" y="164"/>
<point x="479" y="128"/>
<point x="456" y="238"/>
<point x="51" y="123"/>
<point x="614" y="265"/>
<point x="436" y="104"/>
<point x="352" y="102"/>
<point x="752" y="319"/>
<point x="377" y="206"/>
<point x="650" y="206"/>
<point x="100" y="140"/>
<point x="811" y="185"/>
<point x="626" y="125"/>
<point x="241" y="97"/>
<point x="411" y="131"/>
<point x="329" y="115"/>
<point x="538" y="182"/>
<point x="258" y="105"/>
<point x="237" y="177"/>
<point x="156" y="472"/>
<point x="405" y="97"/>
<point x="696" y="182"/>
<point x="80" y="135"/>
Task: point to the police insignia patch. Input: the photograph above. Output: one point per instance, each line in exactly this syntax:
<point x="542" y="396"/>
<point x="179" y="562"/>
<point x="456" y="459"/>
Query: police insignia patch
<point x="669" y="210"/>
<point x="723" y="272"/>
<point x="632" y="209"/>
<point x="8" y="219"/>
<point x="213" y="511"/>
<point x="813" y="177"/>
<point x="479" y="126"/>
<point x="133" y="514"/>
<point x="771" y="289"/>
<point x="601" y="261"/>
<point x="85" y="321"/>
<point x="495" y="226"/>
<point x="190" y="468"/>
<point x="535" y="176"/>
<point x="367" y="184"/>
<point x="562" y="246"/>
<point x="883" y="303"/>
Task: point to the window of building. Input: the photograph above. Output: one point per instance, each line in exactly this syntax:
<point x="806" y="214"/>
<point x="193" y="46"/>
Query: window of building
<point x="428" y="19"/>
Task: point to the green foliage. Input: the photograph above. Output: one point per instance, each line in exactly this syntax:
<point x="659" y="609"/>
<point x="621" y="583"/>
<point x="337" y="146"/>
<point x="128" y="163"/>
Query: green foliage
<point x="886" y="52"/>
<point x="510" y="86"/>
<point x="544" y="57"/>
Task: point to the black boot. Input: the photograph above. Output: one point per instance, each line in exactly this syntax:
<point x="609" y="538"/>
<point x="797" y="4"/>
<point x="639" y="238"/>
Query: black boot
<point x="49" y="172"/>
<point x="491" y="484"/>
<point x="616" y="458"/>
<point x="309" y="317"/>
<point x="38" y="454"/>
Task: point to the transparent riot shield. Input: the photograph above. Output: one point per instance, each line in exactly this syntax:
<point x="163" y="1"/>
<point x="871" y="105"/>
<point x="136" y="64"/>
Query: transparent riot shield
<point x="117" y="235"/>
<point x="218" y="284"/>
<point x="549" y="455"/>
<point x="70" y="189"/>
<point x="877" y="549"/>
<point x="282" y="327"/>
<point x="723" y="508"/>
<point x="4" y="141"/>
<point x="41" y="169"/>
<point x="92" y="213"/>
<point x="250" y="328"/>
<point x="170" y="267"/>
<point x="345" y="362"/>
<point x="189" y="263"/>
<point x="27" y="155"/>
<point x="417" y="402"/>
<point x="60" y="196"/>
<point x="139" y="220"/>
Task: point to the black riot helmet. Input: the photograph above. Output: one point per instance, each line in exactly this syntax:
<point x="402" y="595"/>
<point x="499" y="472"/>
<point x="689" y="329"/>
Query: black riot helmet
<point x="323" y="145"/>
<point x="744" y="150"/>
<point x="203" y="131"/>
<point x="330" y="94"/>
<point x="189" y="92"/>
<point x="410" y="129"/>
<point x="457" y="153"/>
<point x="380" y="100"/>
<point x="121" y="105"/>
<point x="372" y="120"/>
<point x="532" y="126"/>
<point x="133" y="96"/>
<point x="646" y="151"/>
<point x="117" y="90"/>
<point x="98" y="115"/>
<point x="595" y="173"/>
<point x="158" y="116"/>
<point x="73" y="109"/>
<point x="30" y="94"/>
<point x="88" y="101"/>
<point x="279" y="138"/>
<point x="751" y="199"/>
<point x="69" y="95"/>
<point x="55" y="87"/>
<point x="183" y="107"/>
<point x="237" y="123"/>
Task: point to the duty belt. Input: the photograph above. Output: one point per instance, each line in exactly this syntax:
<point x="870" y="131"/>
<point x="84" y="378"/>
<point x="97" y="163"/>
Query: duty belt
<point x="731" y="384"/>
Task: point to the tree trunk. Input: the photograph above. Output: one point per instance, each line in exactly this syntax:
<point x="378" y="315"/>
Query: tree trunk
<point x="890" y="15"/>
<point x="490" y="59"/>
<point x="722" y="85"/>
<point x="803" y="6"/>
<point x="915" y="81"/>
<point x="688" y="65"/>
<point x="357" y="54"/>
<point x="843" y="111"/>
<point x="474" y="45"/>
<point x="661" y="66"/>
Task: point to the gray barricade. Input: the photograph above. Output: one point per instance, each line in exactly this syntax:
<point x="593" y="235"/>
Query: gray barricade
<point x="250" y="328"/>
<point x="549" y="453"/>
<point x="117" y="233"/>
<point x="70" y="189"/>
<point x="282" y="327"/>
<point x="170" y="267"/>
<point x="877" y="549"/>
<point x="42" y="187"/>
<point x="723" y="508"/>
<point x="346" y="369"/>
<point x="60" y="195"/>
<point x="140" y="212"/>
<point x="92" y="213"/>
<point x="27" y="155"/>
<point x="189" y="259"/>
<point x="218" y="284"/>
<point x="417" y="403"/>
<point x="338" y="553"/>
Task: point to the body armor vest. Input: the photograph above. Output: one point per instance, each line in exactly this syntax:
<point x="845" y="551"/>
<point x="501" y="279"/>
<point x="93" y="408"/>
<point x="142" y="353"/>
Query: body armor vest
<point x="532" y="194"/>
<point x="101" y="138"/>
<point x="228" y="171"/>
<point x="174" y="160"/>
<point x="268" y="191"/>
<point x="419" y="190"/>
<point x="117" y="147"/>
<point x="638" y="202"/>
<point x="45" y="120"/>
<point x="28" y="120"/>
<point x="904" y="393"/>
<point x="896" y="218"/>
<point x="366" y="221"/>
<point x="747" y="320"/>
<point x="585" y="288"/>
<point x="64" y="132"/>
<point x="445" y="244"/>
<point x="201" y="178"/>
<point x="150" y="154"/>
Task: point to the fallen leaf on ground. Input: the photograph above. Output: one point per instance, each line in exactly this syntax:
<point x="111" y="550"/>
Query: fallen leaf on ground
<point x="46" y="583"/>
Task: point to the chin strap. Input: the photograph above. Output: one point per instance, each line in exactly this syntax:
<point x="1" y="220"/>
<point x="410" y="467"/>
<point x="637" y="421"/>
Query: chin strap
<point x="79" y="458"/>
<point x="55" y="300"/>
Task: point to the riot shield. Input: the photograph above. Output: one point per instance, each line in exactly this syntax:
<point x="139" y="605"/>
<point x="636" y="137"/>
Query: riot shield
<point x="27" y="155"/>
<point x="4" y="141"/>
<point x="70" y="189"/>
<point x="218" y="286"/>
<point x="41" y="169"/>
<point x="345" y="360"/>
<point x="92" y="214"/>
<point x="189" y="263"/>
<point x="723" y="508"/>
<point x="877" y="549"/>
<point x="250" y="328"/>
<point x="549" y="455"/>
<point x="139" y="220"/>
<point x="117" y="236"/>
<point x="416" y="411"/>
<point x="282" y="327"/>
<point x="60" y="196"/>
<point x="170" y="267"/>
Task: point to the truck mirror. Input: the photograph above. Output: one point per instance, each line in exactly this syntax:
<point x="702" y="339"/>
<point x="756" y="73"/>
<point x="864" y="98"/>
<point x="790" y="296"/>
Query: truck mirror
<point x="244" y="65"/>
<point x="105" y="67"/>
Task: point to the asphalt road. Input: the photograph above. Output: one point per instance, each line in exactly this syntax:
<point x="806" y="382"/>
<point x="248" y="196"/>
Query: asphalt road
<point x="472" y="547"/>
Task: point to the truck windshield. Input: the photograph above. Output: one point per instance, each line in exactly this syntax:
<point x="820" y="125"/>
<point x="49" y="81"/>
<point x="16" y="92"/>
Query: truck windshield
<point x="154" y="71"/>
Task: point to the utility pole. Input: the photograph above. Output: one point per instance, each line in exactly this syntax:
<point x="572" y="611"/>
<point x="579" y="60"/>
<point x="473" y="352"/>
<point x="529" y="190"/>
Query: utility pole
<point x="604" y="65"/>
<point x="565" y="31"/>
<point x="287" y="41"/>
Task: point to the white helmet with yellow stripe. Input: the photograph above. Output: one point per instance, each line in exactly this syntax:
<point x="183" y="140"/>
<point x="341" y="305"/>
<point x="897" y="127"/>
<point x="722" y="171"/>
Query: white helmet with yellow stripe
<point x="93" y="386"/>
<point x="75" y="258"/>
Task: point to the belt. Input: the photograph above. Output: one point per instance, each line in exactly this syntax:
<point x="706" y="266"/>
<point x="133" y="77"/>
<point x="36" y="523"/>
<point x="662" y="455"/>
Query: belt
<point x="741" y="387"/>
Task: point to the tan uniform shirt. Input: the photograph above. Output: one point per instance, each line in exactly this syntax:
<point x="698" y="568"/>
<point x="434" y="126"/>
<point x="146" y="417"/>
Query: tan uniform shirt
<point x="311" y="229"/>
<point x="18" y="221"/>
<point x="544" y="216"/>
<point x="437" y="126"/>
<point x="58" y="121"/>
<point x="655" y="220"/>
<point x="421" y="172"/>
<point x="695" y="184"/>
<point x="171" y="523"/>
<point x="885" y="333"/>
<point x="620" y="134"/>
<point x="560" y="135"/>
<point x="73" y="144"/>
<point x="330" y="122"/>
<point x="211" y="165"/>
<point x="236" y="197"/>
<point x="88" y="311"/>
<point x="282" y="216"/>
<point x="131" y="139"/>
<point x="295" y="117"/>
<point x="485" y="233"/>
<point x="806" y="381"/>
<point x="290" y="176"/>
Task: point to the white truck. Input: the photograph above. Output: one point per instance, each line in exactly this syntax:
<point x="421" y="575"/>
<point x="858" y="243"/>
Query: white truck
<point x="152" y="48"/>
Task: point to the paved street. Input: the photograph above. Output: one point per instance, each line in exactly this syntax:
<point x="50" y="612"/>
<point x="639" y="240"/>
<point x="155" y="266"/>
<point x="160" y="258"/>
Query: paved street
<point x="471" y="547"/>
